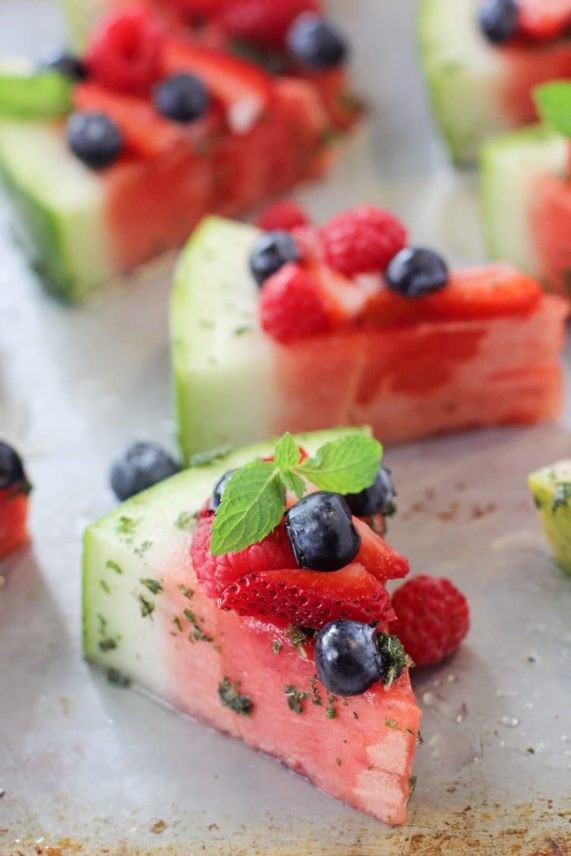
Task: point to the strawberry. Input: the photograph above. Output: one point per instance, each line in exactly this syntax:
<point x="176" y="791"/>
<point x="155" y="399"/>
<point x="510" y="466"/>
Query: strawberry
<point x="282" y="216"/>
<point x="13" y="520"/>
<point x="363" y="240"/>
<point x="377" y="556"/>
<point x="264" y="22"/>
<point x="291" y="307"/>
<point x="310" y="598"/>
<point x="543" y="20"/>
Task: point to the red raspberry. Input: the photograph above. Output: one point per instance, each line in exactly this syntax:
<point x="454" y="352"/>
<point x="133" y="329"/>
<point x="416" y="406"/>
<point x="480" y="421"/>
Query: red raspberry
<point x="433" y="618"/>
<point x="124" y="53"/>
<point x="282" y="216"/>
<point x="363" y="240"/>
<point x="291" y="306"/>
<point x="216" y="573"/>
<point x="265" y="22"/>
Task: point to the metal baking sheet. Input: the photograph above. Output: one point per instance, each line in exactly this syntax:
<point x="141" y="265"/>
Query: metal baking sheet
<point x="86" y="768"/>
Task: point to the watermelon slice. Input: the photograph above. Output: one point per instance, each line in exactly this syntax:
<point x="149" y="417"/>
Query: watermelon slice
<point x="14" y="493"/>
<point x="551" y="491"/>
<point x="148" y="620"/>
<point x="478" y="89"/>
<point x="483" y="351"/>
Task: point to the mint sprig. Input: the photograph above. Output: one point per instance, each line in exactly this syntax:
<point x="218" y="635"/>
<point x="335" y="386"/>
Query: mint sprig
<point x="253" y="502"/>
<point x="553" y="102"/>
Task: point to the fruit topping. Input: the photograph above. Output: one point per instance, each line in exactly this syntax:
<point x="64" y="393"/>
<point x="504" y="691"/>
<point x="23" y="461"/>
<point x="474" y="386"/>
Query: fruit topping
<point x="292" y="307"/>
<point x="416" y="272"/>
<point x="321" y="532"/>
<point x="433" y="618"/>
<point x="377" y="556"/>
<point x="262" y="22"/>
<point x="315" y="43"/>
<point x="12" y="473"/>
<point x="379" y="498"/>
<point x="544" y="20"/>
<point x="282" y="216"/>
<point x="309" y="598"/>
<point x="139" y="467"/>
<point x="66" y="64"/>
<point x="350" y="657"/>
<point x="499" y="20"/>
<point x="363" y="240"/>
<point x="181" y="98"/>
<point x="270" y="253"/>
<point x="95" y="139"/>
<point x="219" y="489"/>
<point x="125" y="52"/>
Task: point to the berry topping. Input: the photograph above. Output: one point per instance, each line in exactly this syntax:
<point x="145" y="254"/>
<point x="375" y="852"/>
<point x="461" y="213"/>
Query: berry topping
<point x="11" y="468"/>
<point x="282" y="216"/>
<point x="124" y="53"/>
<point x="321" y="532"/>
<point x="350" y="657"/>
<point x="181" y="98"/>
<point x="219" y="489"/>
<point x="292" y="307"/>
<point x="270" y="253"/>
<point x="363" y="240"/>
<point x="315" y="43"/>
<point x="309" y="598"/>
<point x="432" y="618"/>
<point x="139" y="467"/>
<point x="499" y="20"/>
<point x="416" y="272"/>
<point x="65" y="63"/>
<point x="94" y="139"/>
<point x="216" y="573"/>
<point x="377" y="499"/>
<point x="265" y="23"/>
<point x="377" y="556"/>
<point x="543" y="20"/>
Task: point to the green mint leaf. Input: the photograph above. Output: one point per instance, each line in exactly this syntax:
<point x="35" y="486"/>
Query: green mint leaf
<point x="294" y="483"/>
<point x="554" y="105"/>
<point x="254" y="503"/>
<point x="287" y="453"/>
<point x="344" y="466"/>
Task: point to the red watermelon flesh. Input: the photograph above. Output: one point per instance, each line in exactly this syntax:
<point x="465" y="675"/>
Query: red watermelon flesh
<point x="551" y="227"/>
<point x="13" y="520"/>
<point x="528" y="66"/>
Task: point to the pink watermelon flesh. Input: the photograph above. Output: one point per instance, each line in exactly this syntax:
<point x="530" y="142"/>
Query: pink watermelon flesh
<point x="527" y="67"/>
<point x="551" y="227"/>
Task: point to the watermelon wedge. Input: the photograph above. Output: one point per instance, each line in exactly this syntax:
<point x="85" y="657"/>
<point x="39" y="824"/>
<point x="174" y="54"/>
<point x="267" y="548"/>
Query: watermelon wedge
<point x="148" y="620"/>
<point x="551" y="491"/>
<point x="14" y="492"/>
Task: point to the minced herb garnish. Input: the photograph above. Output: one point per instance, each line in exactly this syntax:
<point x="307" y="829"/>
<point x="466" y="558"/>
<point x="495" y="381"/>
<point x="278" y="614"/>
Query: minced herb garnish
<point x="316" y="698"/>
<point x="561" y="495"/>
<point x="108" y="645"/>
<point x="114" y="676"/>
<point x="186" y="591"/>
<point x="185" y="519"/>
<point x="114" y="566"/>
<point x="231" y="697"/>
<point x="295" y="698"/>
<point x="198" y="635"/>
<point x="154" y="586"/>
<point x="147" y="608"/>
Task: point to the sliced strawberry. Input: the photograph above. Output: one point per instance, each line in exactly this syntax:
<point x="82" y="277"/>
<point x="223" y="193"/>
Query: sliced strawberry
<point x="264" y="22"/>
<point x="377" y="556"/>
<point x="244" y="89"/>
<point x="310" y="598"/>
<point x="491" y="291"/>
<point x="544" y="20"/>
<point x="13" y="520"/>
<point x="341" y="105"/>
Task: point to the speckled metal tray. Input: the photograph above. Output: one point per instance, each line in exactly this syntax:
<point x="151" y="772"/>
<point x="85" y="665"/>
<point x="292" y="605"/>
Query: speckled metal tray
<point x="87" y="768"/>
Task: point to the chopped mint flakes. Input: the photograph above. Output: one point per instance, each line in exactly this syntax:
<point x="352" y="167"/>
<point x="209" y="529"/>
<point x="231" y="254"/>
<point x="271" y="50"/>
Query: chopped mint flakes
<point x="295" y="698"/>
<point x="154" y="586"/>
<point x="143" y="548"/>
<point x="185" y="519"/>
<point x="107" y="645"/>
<point x="147" y="608"/>
<point x="561" y="495"/>
<point x="186" y="591"/>
<point x="126" y="527"/>
<point x="114" y="566"/>
<point x="231" y="698"/>
<point x="198" y="634"/>
<point x="114" y="676"/>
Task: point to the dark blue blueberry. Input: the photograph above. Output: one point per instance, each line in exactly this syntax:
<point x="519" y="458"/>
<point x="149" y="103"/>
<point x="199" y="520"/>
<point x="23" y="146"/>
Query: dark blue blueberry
<point x="94" y="139"/>
<point x="377" y="499"/>
<point x="416" y="272"/>
<point x="181" y="98"/>
<point x="271" y="252"/>
<point x="498" y="20"/>
<point x="66" y="64"/>
<point x="139" y="467"/>
<point x="315" y="42"/>
<point x="321" y="532"/>
<point x="347" y="658"/>
<point x="11" y="467"/>
<point x="219" y="489"/>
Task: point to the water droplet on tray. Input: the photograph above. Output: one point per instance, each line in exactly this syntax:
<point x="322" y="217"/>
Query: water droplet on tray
<point x="509" y="721"/>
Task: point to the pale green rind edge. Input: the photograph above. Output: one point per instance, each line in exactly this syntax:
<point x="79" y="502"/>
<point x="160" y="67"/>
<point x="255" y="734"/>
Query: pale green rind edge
<point x="556" y="524"/>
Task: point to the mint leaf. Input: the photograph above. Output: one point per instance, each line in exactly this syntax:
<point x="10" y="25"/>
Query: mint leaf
<point x="344" y="466"/>
<point x="254" y="501"/>
<point x="294" y="483"/>
<point x="554" y="105"/>
<point x="287" y="453"/>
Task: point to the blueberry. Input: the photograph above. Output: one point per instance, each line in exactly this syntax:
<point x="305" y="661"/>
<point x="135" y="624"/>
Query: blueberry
<point x="11" y="467"/>
<point x="315" y="42"/>
<point x="416" y="272"/>
<point x="181" y="98"/>
<point x="271" y="252"/>
<point x="321" y="532"/>
<point x="66" y="64"/>
<point x="377" y="499"/>
<point x="347" y="659"/>
<point x="498" y="20"/>
<point x="219" y="489"/>
<point x="94" y="139"/>
<point x="139" y="467"/>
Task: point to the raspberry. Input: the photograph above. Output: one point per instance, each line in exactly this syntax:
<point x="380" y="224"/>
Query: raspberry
<point x="363" y="240"/>
<point x="310" y="598"/>
<point x="216" y="573"/>
<point x="282" y="216"/>
<point x="265" y="22"/>
<point x="124" y="53"/>
<point x="433" y="618"/>
<point x="291" y="306"/>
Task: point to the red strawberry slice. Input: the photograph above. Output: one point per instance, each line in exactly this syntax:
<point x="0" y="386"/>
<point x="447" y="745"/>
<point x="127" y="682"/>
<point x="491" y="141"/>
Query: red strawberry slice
<point x="310" y="598"/>
<point x="216" y="573"/>
<point x="265" y="22"/>
<point x="544" y="20"/>
<point x="13" y="520"/>
<point x="377" y="556"/>
<point x="244" y="89"/>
